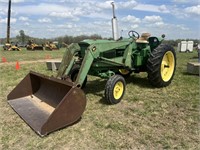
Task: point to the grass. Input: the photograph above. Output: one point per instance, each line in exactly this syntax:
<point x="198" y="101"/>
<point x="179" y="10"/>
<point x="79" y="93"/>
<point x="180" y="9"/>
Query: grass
<point x="147" y="117"/>
<point x="25" y="55"/>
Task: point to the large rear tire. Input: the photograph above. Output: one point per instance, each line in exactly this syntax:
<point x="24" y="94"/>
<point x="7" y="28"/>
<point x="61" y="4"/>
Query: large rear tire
<point x="161" y="65"/>
<point x="115" y="89"/>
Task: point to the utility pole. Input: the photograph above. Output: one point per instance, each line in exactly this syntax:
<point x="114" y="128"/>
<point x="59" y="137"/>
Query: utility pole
<point x="8" y="22"/>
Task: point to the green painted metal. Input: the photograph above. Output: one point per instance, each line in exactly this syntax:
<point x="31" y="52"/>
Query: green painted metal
<point x="68" y="57"/>
<point x="104" y="58"/>
<point x="85" y="66"/>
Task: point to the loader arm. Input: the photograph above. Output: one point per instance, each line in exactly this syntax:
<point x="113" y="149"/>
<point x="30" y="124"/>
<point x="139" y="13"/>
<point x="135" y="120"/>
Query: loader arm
<point x="93" y="52"/>
<point x="85" y="67"/>
<point x="68" y="59"/>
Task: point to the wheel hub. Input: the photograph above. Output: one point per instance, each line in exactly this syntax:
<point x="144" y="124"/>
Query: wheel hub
<point x="118" y="90"/>
<point x="167" y="66"/>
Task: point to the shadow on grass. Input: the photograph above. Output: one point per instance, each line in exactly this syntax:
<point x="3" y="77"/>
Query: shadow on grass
<point x="189" y="74"/>
<point x="195" y="57"/>
<point x="142" y="82"/>
<point x="97" y="86"/>
<point x="60" y="129"/>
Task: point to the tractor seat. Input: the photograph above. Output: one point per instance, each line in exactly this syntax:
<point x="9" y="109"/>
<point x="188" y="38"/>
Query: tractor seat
<point x="143" y="38"/>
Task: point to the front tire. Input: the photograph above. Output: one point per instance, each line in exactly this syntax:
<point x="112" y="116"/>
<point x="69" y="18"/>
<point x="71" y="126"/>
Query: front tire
<point x="74" y="73"/>
<point x="115" y="89"/>
<point x="161" y="65"/>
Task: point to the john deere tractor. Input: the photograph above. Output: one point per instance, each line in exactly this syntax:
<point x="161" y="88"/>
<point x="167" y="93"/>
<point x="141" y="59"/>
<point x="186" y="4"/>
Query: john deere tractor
<point x="115" y="60"/>
<point x="49" y="103"/>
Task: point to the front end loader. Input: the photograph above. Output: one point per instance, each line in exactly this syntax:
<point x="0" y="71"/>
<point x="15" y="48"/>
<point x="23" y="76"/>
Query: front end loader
<point x="33" y="46"/>
<point x="50" y="103"/>
<point x="11" y="47"/>
<point x="51" y="46"/>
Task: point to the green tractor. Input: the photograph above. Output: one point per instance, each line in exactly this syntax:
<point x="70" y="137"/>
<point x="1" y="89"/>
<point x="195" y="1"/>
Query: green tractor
<point x="50" y="103"/>
<point x="115" y="60"/>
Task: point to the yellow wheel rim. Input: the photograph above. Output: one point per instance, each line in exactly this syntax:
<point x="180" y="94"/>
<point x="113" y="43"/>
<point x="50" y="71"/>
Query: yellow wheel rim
<point x="118" y="90"/>
<point x="167" y="66"/>
<point x="124" y="71"/>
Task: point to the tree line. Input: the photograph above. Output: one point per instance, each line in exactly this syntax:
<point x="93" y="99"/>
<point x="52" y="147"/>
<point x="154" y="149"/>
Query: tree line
<point x="22" y="39"/>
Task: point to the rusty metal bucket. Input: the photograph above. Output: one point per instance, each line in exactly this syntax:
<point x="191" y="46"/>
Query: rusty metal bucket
<point x="46" y="103"/>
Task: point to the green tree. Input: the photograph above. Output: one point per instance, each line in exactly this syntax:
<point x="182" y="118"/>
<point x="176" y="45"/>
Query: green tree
<point x="22" y="36"/>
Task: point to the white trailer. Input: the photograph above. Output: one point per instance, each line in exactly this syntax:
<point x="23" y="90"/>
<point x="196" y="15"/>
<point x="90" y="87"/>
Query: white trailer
<point x="185" y="46"/>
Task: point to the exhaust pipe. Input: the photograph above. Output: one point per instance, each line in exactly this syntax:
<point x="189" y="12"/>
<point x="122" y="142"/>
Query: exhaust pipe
<point x="114" y="24"/>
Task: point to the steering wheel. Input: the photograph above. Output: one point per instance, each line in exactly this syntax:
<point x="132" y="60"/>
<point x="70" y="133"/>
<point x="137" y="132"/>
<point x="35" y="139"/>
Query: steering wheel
<point x="133" y="34"/>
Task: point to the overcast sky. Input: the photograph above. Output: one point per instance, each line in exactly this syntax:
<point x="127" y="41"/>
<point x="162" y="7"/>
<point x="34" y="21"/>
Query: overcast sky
<point x="48" y="18"/>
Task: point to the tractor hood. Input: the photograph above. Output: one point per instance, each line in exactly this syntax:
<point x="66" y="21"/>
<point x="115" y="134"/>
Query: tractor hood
<point x="90" y="42"/>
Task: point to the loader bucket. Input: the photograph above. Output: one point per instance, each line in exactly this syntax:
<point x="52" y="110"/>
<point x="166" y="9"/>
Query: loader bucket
<point x="47" y="103"/>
